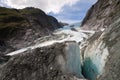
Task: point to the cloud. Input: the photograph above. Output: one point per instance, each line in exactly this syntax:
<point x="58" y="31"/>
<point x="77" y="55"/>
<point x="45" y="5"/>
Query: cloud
<point x="2" y="3"/>
<point x="89" y="1"/>
<point x="54" y="6"/>
<point x="74" y="13"/>
<point x="69" y="11"/>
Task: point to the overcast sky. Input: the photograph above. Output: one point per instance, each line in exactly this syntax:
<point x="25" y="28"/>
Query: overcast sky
<point x="64" y="10"/>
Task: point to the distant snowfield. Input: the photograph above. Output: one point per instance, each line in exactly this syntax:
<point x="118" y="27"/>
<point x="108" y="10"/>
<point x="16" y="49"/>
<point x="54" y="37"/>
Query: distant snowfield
<point x="77" y="35"/>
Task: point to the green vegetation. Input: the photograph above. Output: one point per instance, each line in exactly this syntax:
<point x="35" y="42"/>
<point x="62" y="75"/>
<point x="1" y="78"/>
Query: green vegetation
<point x="10" y="18"/>
<point x="16" y="18"/>
<point x="31" y="11"/>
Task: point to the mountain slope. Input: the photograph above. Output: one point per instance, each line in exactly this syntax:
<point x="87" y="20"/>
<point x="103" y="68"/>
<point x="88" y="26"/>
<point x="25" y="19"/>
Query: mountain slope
<point x="102" y="52"/>
<point x="101" y="14"/>
<point x="19" y="28"/>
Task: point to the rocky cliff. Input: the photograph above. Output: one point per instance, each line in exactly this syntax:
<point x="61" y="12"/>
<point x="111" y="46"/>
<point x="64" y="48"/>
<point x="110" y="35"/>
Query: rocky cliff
<point x="19" y="28"/>
<point x="102" y="52"/>
<point x="101" y="14"/>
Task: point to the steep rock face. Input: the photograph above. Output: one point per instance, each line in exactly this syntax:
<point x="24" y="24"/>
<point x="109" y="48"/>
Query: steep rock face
<point x="101" y="14"/>
<point x="53" y="62"/>
<point x="112" y="40"/>
<point x="19" y="28"/>
<point x="102" y="53"/>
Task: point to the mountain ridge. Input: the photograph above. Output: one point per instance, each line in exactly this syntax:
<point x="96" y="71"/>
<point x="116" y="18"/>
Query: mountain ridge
<point x="20" y="27"/>
<point x="101" y="14"/>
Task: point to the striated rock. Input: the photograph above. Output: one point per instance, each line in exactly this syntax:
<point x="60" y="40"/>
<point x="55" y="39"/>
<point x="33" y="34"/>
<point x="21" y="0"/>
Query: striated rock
<point x="101" y="14"/>
<point x="56" y="62"/>
<point x="102" y="50"/>
<point x="19" y="28"/>
<point x="102" y="54"/>
<point x="112" y="41"/>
